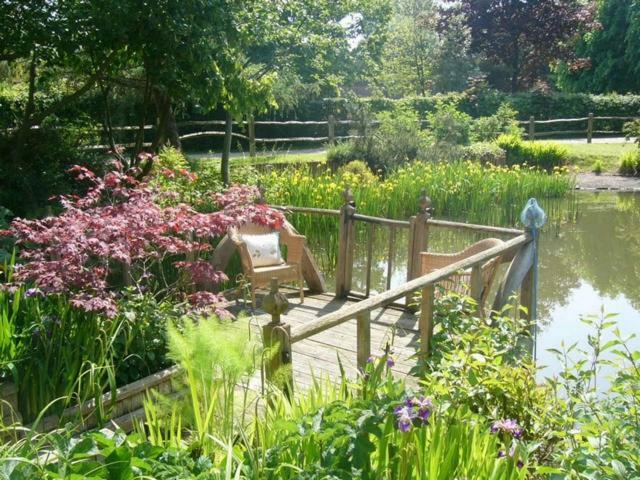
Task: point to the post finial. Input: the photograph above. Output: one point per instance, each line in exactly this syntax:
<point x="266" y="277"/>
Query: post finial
<point x="424" y="202"/>
<point x="275" y="303"/>
<point x="532" y="216"/>
<point x="347" y="195"/>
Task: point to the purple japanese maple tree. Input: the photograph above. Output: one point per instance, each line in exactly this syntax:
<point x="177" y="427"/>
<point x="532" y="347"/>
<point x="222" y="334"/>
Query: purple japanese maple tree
<point x="120" y="224"/>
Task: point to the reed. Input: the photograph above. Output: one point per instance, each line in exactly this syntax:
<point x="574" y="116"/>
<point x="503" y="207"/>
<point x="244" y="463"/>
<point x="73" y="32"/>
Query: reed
<point x="461" y="190"/>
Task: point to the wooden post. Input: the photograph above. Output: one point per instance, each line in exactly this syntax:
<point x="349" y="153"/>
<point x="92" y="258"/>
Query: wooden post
<point x="331" y="129"/>
<point x="252" y="135"/>
<point x="426" y="320"/>
<point x="277" y="340"/>
<point x="346" y="242"/>
<point x="476" y="286"/>
<point x="391" y="253"/>
<point x="364" y="339"/>
<point x="418" y="239"/>
<point x="370" y="237"/>
<point x="590" y="128"/>
<point x="532" y="128"/>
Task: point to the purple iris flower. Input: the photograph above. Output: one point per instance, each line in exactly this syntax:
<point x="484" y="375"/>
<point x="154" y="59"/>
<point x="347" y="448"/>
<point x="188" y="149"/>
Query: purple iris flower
<point x="424" y="406"/>
<point x="404" y="416"/>
<point x="507" y="426"/>
<point x="413" y="412"/>
<point x="390" y="361"/>
<point x="520" y="464"/>
<point x="33" y="292"/>
<point x="371" y="359"/>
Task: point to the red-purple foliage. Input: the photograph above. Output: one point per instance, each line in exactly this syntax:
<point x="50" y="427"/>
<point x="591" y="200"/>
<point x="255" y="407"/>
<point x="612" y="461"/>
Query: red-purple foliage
<point x="118" y="223"/>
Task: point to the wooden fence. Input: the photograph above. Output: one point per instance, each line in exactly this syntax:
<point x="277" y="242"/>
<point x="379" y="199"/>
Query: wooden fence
<point x="248" y="127"/>
<point x="588" y="131"/>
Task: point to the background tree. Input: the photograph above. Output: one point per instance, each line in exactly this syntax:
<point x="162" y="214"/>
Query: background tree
<point x="519" y="39"/>
<point x="420" y="58"/>
<point x="607" y="57"/>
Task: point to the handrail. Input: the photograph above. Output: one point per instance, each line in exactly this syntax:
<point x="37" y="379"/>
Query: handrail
<point x="400" y="223"/>
<point x="475" y="227"/>
<point x="381" y="220"/>
<point x="317" y="211"/>
<point x="351" y="311"/>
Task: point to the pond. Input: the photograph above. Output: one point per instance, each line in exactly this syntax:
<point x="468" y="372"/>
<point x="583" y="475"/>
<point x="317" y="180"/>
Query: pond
<point x="589" y="262"/>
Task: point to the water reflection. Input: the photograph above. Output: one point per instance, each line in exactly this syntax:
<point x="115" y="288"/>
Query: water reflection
<point x="589" y="258"/>
<point x="587" y="265"/>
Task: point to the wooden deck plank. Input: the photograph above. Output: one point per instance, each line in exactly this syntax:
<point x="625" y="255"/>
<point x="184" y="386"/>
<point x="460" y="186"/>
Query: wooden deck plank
<point x="317" y="356"/>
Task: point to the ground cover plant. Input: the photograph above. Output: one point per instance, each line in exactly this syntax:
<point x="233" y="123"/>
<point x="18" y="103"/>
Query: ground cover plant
<point x="540" y="154"/>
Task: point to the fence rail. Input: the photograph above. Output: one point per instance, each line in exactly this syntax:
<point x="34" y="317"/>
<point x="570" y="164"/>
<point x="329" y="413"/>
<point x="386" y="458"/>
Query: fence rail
<point x="589" y="130"/>
<point x="331" y="123"/>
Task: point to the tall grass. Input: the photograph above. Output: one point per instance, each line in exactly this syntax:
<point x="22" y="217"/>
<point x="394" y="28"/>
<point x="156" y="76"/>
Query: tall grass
<point x="56" y="355"/>
<point x="460" y="190"/>
<point x="464" y="191"/>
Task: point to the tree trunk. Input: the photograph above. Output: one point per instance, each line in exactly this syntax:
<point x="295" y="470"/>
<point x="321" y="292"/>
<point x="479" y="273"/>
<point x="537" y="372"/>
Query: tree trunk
<point x="167" y="127"/>
<point x="226" y="150"/>
<point x="21" y="135"/>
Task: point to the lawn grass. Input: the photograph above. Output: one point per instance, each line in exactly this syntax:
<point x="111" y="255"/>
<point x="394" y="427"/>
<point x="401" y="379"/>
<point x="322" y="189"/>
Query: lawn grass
<point x="279" y="158"/>
<point x="584" y="155"/>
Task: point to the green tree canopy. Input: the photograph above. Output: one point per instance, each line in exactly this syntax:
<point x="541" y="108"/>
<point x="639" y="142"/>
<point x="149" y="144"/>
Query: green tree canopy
<point x="608" y="56"/>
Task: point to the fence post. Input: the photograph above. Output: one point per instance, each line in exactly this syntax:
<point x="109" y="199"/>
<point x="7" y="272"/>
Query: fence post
<point x="532" y="128"/>
<point x="331" y="129"/>
<point x="590" y="128"/>
<point x="418" y="239"/>
<point x="277" y="340"/>
<point x="426" y="319"/>
<point x="346" y="241"/>
<point x="364" y="339"/>
<point x="252" y="135"/>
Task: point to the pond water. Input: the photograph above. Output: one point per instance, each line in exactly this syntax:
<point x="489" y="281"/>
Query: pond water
<point x="589" y="262"/>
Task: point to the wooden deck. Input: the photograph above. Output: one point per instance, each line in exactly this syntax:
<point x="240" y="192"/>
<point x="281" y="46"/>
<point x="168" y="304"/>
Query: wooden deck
<point x="318" y="355"/>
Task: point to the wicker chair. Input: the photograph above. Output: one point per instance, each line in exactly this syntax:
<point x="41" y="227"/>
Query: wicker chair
<point x="460" y="282"/>
<point x="289" y="271"/>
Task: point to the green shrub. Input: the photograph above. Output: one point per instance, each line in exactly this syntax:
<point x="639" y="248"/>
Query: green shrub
<point x="630" y="163"/>
<point x="357" y="168"/>
<point x="6" y="244"/>
<point x="344" y="152"/>
<point x="486" y="102"/>
<point x="487" y="129"/>
<point x="598" y="167"/>
<point x="449" y="125"/>
<point x="28" y="183"/>
<point x="397" y="139"/>
<point x="485" y="152"/>
<point x="539" y="154"/>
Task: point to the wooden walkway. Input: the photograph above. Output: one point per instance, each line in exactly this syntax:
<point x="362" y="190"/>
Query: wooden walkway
<point x="318" y="355"/>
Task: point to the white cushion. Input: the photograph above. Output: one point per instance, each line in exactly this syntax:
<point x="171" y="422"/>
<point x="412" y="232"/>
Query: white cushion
<point x="264" y="249"/>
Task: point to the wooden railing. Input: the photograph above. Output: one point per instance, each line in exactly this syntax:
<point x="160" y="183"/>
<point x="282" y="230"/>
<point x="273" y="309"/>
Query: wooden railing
<point x="331" y="123"/>
<point x="588" y="131"/>
<point x="512" y="249"/>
